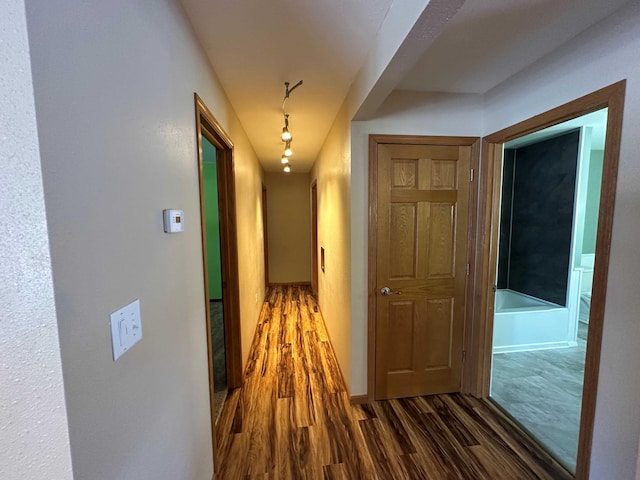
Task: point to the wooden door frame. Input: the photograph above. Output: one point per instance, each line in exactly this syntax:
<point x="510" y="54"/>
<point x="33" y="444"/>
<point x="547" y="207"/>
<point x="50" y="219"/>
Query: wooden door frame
<point x="374" y="142"/>
<point x="487" y="243"/>
<point x="314" y="237"/>
<point x="265" y="243"/>
<point x="207" y="126"/>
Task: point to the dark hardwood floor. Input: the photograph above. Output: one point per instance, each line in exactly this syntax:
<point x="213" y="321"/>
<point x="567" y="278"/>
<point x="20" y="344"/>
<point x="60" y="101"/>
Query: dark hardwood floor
<point x="292" y="418"/>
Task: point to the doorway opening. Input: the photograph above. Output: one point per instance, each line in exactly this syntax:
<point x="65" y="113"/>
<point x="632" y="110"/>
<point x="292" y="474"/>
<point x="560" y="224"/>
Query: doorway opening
<point x="508" y="260"/>
<point x="214" y="271"/>
<point x="546" y="252"/>
<point x="219" y="259"/>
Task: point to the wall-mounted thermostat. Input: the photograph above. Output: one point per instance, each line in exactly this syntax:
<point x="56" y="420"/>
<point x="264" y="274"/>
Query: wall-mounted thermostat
<point x="173" y="221"/>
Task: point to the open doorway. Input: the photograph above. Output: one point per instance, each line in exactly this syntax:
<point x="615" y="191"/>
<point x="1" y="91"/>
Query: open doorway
<point x="211" y="213"/>
<point x="216" y="173"/>
<point x="495" y="149"/>
<point x="546" y="251"/>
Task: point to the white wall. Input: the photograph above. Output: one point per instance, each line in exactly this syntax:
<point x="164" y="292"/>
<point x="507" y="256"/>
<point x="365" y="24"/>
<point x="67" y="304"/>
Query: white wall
<point x="405" y="113"/>
<point x="289" y="227"/>
<point x="34" y="438"/>
<point x="601" y="56"/>
<point x="114" y="85"/>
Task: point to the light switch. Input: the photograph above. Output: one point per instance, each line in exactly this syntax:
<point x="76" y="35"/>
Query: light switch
<point x="126" y="328"/>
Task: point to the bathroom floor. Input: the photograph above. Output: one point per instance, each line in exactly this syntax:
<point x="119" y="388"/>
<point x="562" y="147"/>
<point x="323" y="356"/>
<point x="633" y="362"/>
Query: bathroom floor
<point x="542" y="390"/>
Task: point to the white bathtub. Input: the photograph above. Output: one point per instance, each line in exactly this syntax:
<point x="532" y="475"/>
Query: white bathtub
<point x="524" y="323"/>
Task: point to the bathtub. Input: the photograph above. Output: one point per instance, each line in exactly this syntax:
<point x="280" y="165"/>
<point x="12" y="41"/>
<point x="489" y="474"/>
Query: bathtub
<point x="524" y="323"/>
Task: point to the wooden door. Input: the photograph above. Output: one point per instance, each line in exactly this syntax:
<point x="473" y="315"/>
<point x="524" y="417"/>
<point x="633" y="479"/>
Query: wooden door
<point x="422" y="200"/>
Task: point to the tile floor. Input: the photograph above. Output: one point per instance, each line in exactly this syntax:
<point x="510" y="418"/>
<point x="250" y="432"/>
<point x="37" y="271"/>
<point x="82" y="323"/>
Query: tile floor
<point x="219" y="357"/>
<point x="542" y="390"/>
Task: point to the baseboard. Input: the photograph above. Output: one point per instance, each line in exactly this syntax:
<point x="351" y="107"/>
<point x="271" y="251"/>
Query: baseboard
<point x="359" y="399"/>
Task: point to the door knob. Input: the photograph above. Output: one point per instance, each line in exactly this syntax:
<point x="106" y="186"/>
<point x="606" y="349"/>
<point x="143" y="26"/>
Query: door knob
<point x="387" y="291"/>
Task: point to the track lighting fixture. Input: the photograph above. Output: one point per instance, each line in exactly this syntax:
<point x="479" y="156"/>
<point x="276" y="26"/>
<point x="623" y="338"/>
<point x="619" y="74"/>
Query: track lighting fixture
<point x="286" y="134"/>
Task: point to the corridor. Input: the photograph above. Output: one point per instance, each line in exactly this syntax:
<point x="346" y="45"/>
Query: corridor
<point x="292" y="418"/>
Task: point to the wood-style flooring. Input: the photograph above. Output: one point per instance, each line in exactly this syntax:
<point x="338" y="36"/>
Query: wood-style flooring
<point x="292" y="418"/>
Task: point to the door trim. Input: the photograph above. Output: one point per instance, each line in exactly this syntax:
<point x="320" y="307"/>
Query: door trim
<point x="374" y="142"/>
<point x="613" y="98"/>
<point x="207" y="126"/>
<point x="265" y="235"/>
<point x="314" y="237"/>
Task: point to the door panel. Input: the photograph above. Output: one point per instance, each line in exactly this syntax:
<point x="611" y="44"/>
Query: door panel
<point x="422" y="199"/>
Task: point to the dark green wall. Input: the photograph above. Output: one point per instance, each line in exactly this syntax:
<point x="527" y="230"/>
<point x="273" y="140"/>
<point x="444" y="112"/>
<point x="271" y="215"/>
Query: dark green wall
<point x="212" y="220"/>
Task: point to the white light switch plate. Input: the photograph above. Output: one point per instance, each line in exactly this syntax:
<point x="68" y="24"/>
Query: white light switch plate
<point x="126" y="328"/>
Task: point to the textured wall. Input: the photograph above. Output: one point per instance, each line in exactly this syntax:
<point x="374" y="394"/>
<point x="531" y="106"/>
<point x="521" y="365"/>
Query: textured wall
<point x="114" y="85"/>
<point x="34" y="440"/>
<point x="332" y="172"/>
<point x="289" y="227"/>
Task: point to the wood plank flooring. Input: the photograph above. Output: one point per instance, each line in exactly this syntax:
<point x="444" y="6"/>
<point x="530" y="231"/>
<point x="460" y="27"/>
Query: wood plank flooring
<point x="292" y="418"/>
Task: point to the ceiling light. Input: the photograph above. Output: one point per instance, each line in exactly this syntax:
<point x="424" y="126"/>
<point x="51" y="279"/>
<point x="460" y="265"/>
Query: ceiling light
<point x="286" y="134"/>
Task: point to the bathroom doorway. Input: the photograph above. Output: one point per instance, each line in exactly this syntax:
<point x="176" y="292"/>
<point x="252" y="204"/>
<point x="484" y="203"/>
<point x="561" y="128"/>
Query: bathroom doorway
<point x="546" y="251"/>
<point x="495" y="150"/>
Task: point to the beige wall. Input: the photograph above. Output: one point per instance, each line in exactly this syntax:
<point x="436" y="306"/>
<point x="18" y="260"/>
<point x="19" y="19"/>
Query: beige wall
<point x="332" y="173"/>
<point x="289" y="227"/>
<point x="114" y="85"/>
<point x="34" y="439"/>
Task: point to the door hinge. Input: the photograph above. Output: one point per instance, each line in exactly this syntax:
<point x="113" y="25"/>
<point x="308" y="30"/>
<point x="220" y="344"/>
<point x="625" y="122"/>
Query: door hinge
<point x="467" y="268"/>
<point x="471" y="175"/>
<point x="464" y="355"/>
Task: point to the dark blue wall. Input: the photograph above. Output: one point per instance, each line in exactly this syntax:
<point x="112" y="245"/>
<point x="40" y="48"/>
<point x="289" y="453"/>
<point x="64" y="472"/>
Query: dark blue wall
<point x="538" y="228"/>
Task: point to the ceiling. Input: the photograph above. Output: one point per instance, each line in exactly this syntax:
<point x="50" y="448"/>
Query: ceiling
<point x="255" y="46"/>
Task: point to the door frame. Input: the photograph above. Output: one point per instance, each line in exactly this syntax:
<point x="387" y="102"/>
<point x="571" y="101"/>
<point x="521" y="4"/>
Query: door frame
<point x="265" y="238"/>
<point x="314" y="237"/>
<point x="611" y="97"/>
<point x="207" y="126"/>
<point x="374" y="142"/>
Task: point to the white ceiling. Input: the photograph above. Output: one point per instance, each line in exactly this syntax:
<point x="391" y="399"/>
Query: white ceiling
<point x="488" y="41"/>
<point x="255" y="46"/>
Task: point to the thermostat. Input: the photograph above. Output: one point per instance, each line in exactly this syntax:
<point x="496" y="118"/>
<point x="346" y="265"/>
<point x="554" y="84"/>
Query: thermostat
<point x="173" y="221"/>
